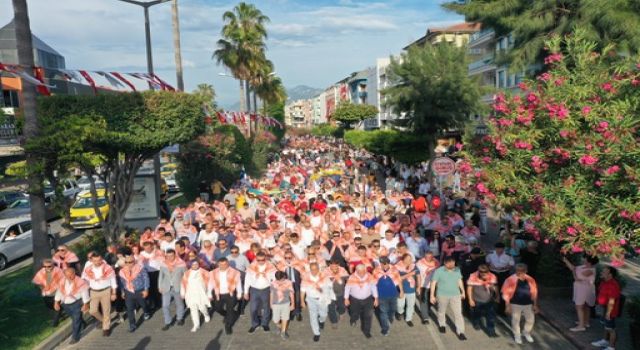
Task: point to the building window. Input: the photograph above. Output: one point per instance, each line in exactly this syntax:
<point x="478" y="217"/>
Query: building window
<point x="501" y="79"/>
<point x="11" y="98"/>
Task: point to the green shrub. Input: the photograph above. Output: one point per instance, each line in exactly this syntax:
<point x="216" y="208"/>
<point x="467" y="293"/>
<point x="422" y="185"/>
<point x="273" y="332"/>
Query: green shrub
<point x="327" y="130"/>
<point x="402" y="146"/>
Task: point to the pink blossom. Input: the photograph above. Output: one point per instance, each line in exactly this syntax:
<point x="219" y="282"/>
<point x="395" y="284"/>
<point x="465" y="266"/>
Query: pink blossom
<point x="607" y="87"/>
<point x="572" y="231"/>
<point x="538" y="164"/>
<point x="554" y="57"/>
<point x="465" y="168"/>
<point x="598" y="183"/>
<point x="532" y="98"/>
<point x="501" y="108"/>
<point x="544" y="76"/>
<point x="623" y="241"/>
<point x="522" y="86"/>
<point x="558" y="81"/>
<point x="482" y="188"/>
<point x="586" y="110"/>
<point x="635" y="82"/>
<point x="588" y="160"/>
<point x="617" y="262"/>
<point x="613" y="169"/>
<point x="559" y="112"/>
<point x="564" y="134"/>
<point x="625" y="214"/>
<point x="546" y="241"/>
<point x="486" y="160"/>
<point x="505" y="122"/>
<point x="525" y="119"/>
<point x="576" y="249"/>
<point x="523" y="145"/>
<point x="602" y="127"/>
<point x="459" y="146"/>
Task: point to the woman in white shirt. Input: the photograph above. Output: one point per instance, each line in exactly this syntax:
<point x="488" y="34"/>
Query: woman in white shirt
<point x="195" y="292"/>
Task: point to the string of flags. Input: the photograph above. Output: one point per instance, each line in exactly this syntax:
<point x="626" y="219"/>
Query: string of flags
<point x="242" y="118"/>
<point x="114" y="80"/>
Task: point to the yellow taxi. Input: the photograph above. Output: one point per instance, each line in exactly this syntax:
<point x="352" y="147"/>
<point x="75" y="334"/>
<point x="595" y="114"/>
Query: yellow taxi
<point x="83" y="214"/>
<point x="168" y="169"/>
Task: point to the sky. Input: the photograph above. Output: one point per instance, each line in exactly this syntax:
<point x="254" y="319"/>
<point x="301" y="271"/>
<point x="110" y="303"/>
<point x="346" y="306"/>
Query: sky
<point x="311" y="42"/>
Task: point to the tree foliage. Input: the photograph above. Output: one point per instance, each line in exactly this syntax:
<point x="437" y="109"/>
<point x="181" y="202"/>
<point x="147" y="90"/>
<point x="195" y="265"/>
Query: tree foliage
<point x="565" y="153"/>
<point x="123" y="129"/>
<point x="404" y="147"/>
<point x="531" y="22"/>
<point x="348" y="113"/>
<point x="207" y="94"/>
<point x="431" y="88"/>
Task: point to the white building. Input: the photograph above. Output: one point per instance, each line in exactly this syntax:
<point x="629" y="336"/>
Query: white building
<point x="298" y="114"/>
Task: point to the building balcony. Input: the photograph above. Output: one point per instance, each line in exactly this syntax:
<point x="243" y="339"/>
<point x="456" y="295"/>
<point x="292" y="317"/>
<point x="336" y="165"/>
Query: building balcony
<point x="481" y="38"/>
<point x="484" y="64"/>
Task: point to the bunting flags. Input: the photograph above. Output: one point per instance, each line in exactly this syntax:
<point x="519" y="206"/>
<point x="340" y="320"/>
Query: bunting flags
<point x="242" y="118"/>
<point x="105" y="80"/>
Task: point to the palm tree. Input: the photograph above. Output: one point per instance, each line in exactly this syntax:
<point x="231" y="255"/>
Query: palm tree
<point x="41" y="249"/>
<point x="242" y="43"/>
<point x="176" y="44"/>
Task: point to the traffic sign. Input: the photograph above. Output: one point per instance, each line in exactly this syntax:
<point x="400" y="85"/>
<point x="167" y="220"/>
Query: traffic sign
<point x="443" y="166"/>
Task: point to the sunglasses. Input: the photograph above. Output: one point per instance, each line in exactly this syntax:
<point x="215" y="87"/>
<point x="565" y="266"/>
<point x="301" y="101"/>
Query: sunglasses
<point x="261" y="260"/>
<point x="129" y="262"/>
<point x="234" y="252"/>
<point x="47" y="266"/>
<point x="376" y="246"/>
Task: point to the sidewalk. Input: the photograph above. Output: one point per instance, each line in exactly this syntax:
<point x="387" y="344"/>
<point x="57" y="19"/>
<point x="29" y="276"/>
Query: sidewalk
<point x="559" y="310"/>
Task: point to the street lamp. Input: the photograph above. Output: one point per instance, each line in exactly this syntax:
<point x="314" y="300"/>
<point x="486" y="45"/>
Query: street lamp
<point x="147" y="32"/>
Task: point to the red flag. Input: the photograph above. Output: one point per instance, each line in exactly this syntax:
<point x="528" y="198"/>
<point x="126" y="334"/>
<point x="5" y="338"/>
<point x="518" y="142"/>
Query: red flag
<point x="253" y="117"/>
<point x="221" y="117"/>
<point x="88" y="78"/>
<point x="163" y="83"/>
<point x="42" y="88"/>
<point x="119" y="76"/>
<point x="243" y="119"/>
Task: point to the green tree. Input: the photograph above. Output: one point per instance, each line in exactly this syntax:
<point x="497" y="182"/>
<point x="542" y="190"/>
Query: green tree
<point x="207" y="94"/>
<point x="531" y="22"/>
<point x="124" y="130"/>
<point x="276" y="111"/>
<point x="348" y="113"/>
<point x="431" y="89"/>
<point x="242" y="45"/>
<point x="564" y="154"/>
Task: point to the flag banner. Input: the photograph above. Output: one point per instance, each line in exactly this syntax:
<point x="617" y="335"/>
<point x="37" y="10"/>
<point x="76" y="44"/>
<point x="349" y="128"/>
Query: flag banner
<point x="41" y="88"/>
<point x="241" y="119"/>
<point x="112" y="81"/>
<point x="20" y="73"/>
<point x="89" y="80"/>
<point x="124" y="80"/>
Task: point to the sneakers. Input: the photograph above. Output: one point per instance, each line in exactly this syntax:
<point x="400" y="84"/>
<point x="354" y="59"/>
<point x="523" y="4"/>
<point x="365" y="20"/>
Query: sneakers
<point x="578" y="329"/>
<point x="321" y="324"/>
<point x="442" y="330"/>
<point x="146" y="317"/>
<point x="181" y="322"/>
<point x="528" y="338"/>
<point x="194" y="329"/>
<point x="462" y="337"/>
<point x="166" y="327"/>
<point x="602" y="343"/>
<point x="252" y="329"/>
<point x="284" y="335"/>
<point x="409" y="323"/>
<point x="518" y="339"/>
<point x="266" y="328"/>
<point x="316" y="338"/>
<point x="207" y="319"/>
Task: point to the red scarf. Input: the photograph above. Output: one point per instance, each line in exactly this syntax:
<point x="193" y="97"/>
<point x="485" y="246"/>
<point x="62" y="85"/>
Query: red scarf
<point x="63" y="262"/>
<point x="79" y="285"/>
<point x="378" y="273"/>
<point x="40" y="279"/>
<point x="171" y="265"/>
<point x="232" y="276"/>
<point x="107" y="272"/>
<point x="281" y="287"/>
<point x="338" y="276"/>
<point x="254" y="268"/>
<point x="360" y="281"/>
<point x="130" y="274"/>
<point x="409" y="273"/>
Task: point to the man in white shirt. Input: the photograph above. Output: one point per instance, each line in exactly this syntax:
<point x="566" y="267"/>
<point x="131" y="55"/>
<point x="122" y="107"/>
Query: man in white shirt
<point x="257" y="283"/>
<point x="316" y="290"/>
<point x="72" y="295"/>
<point x="102" y="290"/>
<point x="297" y="246"/>
<point x="500" y="263"/>
<point x="227" y="288"/>
<point x="424" y="187"/>
<point x="390" y="241"/>
<point x="208" y="234"/>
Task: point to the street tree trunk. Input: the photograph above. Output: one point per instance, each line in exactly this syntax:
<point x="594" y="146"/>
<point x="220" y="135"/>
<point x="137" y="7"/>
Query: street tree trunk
<point x="176" y="44"/>
<point x="35" y="177"/>
<point x="243" y="101"/>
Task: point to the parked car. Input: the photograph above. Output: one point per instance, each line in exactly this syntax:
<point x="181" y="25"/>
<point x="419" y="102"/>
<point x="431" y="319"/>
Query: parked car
<point x="85" y="185"/>
<point x="83" y="214"/>
<point x="6" y="198"/>
<point x="16" y="240"/>
<point x="70" y="188"/>
<point x="172" y="185"/>
<point x="22" y="208"/>
<point x="168" y="169"/>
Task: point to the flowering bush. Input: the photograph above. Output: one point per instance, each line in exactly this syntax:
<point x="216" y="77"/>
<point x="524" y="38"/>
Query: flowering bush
<point x="564" y="153"/>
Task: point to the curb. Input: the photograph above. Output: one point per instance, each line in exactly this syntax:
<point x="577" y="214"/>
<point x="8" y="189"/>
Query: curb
<point x="573" y="340"/>
<point x="63" y="333"/>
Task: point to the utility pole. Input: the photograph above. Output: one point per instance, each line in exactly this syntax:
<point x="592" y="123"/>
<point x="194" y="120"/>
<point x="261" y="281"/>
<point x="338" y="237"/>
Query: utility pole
<point x="147" y="32"/>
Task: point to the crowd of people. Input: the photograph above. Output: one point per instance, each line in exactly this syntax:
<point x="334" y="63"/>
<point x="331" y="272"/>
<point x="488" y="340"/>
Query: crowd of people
<point x="335" y="231"/>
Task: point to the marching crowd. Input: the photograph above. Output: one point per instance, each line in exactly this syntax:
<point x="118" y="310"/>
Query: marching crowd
<point x="333" y="230"/>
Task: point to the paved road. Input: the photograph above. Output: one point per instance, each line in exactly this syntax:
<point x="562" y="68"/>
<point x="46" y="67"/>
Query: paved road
<point x="211" y="336"/>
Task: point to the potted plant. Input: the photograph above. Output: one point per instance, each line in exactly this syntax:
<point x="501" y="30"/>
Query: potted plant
<point x="633" y="310"/>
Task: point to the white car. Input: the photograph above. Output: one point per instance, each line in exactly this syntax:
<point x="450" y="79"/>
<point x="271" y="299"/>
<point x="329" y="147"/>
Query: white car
<point x="85" y="185"/>
<point x="172" y="185"/>
<point x="70" y="188"/>
<point x="16" y="240"/>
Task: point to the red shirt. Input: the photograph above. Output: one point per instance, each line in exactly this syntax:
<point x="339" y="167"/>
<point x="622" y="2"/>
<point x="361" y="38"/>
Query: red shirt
<point x="607" y="290"/>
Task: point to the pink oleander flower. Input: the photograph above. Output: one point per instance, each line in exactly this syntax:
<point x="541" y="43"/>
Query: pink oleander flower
<point x="572" y="231"/>
<point x="522" y="86"/>
<point x="482" y="188"/>
<point x="607" y="87"/>
<point x="525" y="119"/>
<point x="623" y="241"/>
<point x="553" y="58"/>
<point x="559" y="112"/>
<point x="617" y="262"/>
<point x="588" y="160"/>
<point x="576" y="249"/>
<point x="532" y="98"/>
<point x="546" y="241"/>
<point x="558" y="81"/>
<point x="625" y="214"/>
<point x="598" y="183"/>
<point x="459" y="146"/>
<point x="544" y="76"/>
<point x="564" y="134"/>
<point x="602" y="127"/>
<point x="504" y="122"/>
<point x="523" y="145"/>
<point x="613" y="169"/>
<point x="465" y="168"/>
<point x="486" y="160"/>
<point x="586" y="110"/>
